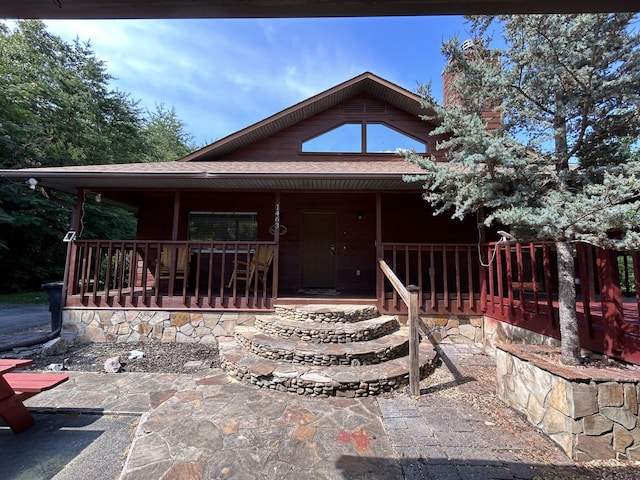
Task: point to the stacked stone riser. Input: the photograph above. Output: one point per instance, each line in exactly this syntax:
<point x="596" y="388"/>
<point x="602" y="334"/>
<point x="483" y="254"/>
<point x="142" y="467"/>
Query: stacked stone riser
<point x="314" y="332"/>
<point x="318" y="389"/>
<point x="325" y="315"/>
<point x="311" y="358"/>
<point x="323" y="351"/>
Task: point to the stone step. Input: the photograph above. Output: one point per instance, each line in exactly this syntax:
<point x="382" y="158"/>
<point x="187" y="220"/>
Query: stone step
<point x="327" y="313"/>
<point x="320" y="381"/>
<point x="287" y="350"/>
<point x="311" y="331"/>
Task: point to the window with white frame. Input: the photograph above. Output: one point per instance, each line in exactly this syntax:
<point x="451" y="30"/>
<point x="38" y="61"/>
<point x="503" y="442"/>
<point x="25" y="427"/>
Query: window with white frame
<point x="363" y="137"/>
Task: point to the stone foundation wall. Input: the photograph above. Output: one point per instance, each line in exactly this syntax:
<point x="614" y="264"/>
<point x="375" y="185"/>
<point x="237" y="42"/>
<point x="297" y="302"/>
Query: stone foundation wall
<point x="497" y="332"/>
<point x="143" y="325"/>
<point x="443" y="326"/>
<point x="205" y="327"/>
<point x="593" y="415"/>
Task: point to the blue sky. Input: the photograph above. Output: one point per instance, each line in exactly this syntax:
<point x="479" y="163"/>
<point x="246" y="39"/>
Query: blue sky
<point x="223" y="75"/>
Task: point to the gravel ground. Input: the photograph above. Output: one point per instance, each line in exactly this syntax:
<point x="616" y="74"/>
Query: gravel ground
<point x="157" y="357"/>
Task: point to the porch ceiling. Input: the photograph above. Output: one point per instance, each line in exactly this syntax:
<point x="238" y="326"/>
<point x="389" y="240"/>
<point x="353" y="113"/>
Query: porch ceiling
<point x="290" y="8"/>
<point x="311" y="175"/>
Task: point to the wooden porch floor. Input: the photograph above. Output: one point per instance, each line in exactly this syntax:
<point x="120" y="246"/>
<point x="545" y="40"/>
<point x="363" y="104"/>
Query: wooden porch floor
<point x="594" y="308"/>
<point x="148" y="298"/>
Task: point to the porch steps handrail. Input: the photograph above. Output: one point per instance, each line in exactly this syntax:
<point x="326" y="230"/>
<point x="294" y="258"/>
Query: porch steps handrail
<point x="409" y="296"/>
<point x="395" y="281"/>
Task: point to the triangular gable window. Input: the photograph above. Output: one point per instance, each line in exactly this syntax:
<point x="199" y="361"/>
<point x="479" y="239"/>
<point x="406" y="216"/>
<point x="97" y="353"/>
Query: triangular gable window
<point x="363" y="137"/>
<point x="347" y="138"/>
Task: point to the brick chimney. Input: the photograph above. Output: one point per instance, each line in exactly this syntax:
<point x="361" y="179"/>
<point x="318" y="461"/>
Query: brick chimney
<point x="491" y="116"/>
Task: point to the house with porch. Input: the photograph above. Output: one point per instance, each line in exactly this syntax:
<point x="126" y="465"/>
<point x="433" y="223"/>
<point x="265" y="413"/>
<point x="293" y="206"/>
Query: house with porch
<point x="319" y="186"/>
<point x="307" y="209"/>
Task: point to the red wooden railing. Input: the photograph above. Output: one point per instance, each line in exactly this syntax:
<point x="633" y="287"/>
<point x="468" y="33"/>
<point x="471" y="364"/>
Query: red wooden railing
<point x="521" y="289"/>
<point x="518" y="286"/>
<point x="139" y="274"/>
<point x="447" y="277"/>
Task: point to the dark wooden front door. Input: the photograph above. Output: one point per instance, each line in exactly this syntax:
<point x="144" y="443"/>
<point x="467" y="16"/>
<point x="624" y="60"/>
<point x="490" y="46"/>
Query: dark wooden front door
<point x="318" y="250"/>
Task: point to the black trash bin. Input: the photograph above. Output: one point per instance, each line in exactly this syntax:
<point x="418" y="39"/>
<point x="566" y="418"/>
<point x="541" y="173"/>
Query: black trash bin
<point x="54" y="292"/>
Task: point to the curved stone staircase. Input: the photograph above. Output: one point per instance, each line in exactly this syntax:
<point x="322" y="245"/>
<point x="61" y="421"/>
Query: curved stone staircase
<point x="324" y="350"/>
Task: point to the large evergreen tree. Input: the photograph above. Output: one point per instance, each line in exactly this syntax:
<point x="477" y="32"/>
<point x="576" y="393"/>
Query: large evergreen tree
<point x="562" y="164"/>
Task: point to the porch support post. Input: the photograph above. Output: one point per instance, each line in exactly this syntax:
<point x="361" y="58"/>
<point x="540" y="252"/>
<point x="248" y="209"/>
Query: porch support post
<point x="482" y="270"/>
<point x="75" y="216"/>
<point x="414" y="342"/>
<point x="379" y="251"/>
<point x="276" y="239"/>
<point x="612" y="302"/>
<point x="176" y="215"/>
<point x="70" y="259"/>
<point x="174" y="249"/>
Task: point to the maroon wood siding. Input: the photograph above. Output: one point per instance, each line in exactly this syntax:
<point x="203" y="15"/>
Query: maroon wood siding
<point x="287" y="144"/>
<point x="407" y="218"/>
<point x="355" y="248"/>
<point x="155" y="216"/>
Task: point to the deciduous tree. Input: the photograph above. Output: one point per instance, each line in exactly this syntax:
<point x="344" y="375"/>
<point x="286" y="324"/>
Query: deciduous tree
<point x="57" y="109"/>
<point x="166" y="134"/>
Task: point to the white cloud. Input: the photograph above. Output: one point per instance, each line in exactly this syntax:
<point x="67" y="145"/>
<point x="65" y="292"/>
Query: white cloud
<point x="223" y="75"/>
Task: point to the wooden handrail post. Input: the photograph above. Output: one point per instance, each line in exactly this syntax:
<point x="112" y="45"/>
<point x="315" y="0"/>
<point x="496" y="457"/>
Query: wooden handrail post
<point x="414" y="342"/>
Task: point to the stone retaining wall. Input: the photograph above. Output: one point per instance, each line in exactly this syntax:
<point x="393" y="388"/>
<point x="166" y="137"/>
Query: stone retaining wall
<point x="591" y="413"/>
<point x="144" y="325"/>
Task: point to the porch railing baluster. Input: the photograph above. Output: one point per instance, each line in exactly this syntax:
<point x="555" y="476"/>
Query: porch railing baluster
<point x="520" y="273"/>
<point x="439" y="272"/>
<point x="458" y="289"/>
<point x="111" y="269"/>
<point x="470" y="276"/>
<point x="110" y="274"/>
<point x="534" y="275"/>
<point x="432" y="277"/>
<point x="445" y="278"/>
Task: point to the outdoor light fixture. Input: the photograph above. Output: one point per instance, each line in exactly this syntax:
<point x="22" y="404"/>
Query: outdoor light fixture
<point x="98" y="197"/>
<point x="32" y="182"/>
